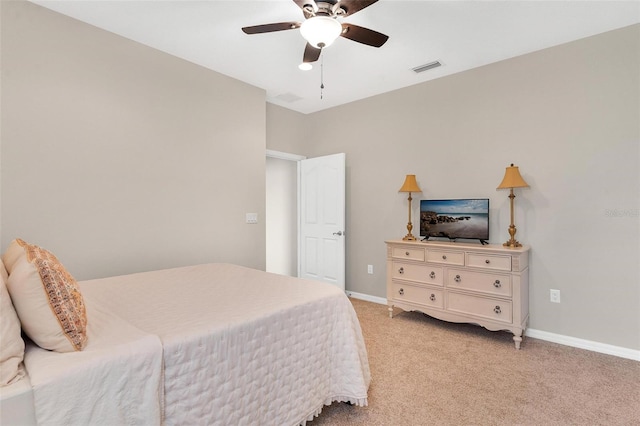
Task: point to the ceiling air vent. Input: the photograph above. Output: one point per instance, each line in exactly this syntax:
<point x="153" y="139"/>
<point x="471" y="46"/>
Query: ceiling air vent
<point x="425" y="67"/>
<point x="288" y="97"/>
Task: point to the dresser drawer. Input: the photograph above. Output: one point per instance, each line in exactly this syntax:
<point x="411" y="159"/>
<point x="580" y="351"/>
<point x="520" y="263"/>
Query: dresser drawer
<point x="420" y="273"/>
<point x="408" y="253"/>
<point x="483" y="282"/>
<point x="446" y="257"/>
<point x="489" y="261"/>
<point x="494" y="309"/>
<point x="414" y="294"/>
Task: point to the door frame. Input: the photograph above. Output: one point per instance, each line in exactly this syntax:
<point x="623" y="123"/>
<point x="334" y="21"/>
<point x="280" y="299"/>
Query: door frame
<point x="284" y="155"/>
<point x="298" y="249"/>
<point x="295" y="158"/>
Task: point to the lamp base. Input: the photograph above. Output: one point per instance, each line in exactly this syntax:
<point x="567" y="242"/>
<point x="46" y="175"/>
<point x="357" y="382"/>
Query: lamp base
<point x="409" y="236"/>
<point x="512" y="244"/>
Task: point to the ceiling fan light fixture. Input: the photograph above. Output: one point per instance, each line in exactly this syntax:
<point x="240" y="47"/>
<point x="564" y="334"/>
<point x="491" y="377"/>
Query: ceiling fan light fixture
<point x="321" y="31"/>
<point x="305" y="66"/>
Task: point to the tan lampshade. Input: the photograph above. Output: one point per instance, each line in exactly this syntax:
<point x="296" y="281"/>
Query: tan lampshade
<point x="410" y="184"/>
<point x="512" y="179"/>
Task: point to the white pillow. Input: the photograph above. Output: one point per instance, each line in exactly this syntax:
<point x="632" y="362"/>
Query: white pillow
<point x="46" y="297"/>
<point x="3" y="272"/>
<point x="11" y="343"/>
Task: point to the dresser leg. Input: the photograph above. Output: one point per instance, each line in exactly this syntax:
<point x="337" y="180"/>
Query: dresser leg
<point x="517" y="339"/>
<point x="390" y="311"/>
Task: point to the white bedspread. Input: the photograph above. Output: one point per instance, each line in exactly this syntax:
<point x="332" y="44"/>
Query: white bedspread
<point x="243" y="346"/>
<point x="115" y="380"/>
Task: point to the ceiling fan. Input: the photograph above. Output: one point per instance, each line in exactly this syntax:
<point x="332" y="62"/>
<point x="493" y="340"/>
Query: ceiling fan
<point x="320" y="27"/>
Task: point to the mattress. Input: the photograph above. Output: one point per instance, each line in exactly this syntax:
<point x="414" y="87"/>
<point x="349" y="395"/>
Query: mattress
<point x="243" y="346"/>
<point x="115" y="380"/>
<point x="16" y="404"/>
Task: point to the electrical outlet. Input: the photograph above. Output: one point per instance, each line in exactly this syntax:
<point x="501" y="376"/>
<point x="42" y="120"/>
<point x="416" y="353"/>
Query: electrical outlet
<point x="554" y="296"/>
<point x="369" y="269"/>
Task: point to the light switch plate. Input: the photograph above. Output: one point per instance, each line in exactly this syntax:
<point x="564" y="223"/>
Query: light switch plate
<point x="252" y="217"/>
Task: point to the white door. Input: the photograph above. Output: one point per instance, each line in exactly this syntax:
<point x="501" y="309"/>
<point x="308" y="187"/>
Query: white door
<point x="322" y="219"/>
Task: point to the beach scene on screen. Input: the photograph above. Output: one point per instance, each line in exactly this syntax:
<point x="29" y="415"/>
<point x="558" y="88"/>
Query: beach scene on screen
<point x="465" y="218"/>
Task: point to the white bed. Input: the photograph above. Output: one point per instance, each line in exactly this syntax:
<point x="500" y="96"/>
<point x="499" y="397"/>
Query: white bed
<point x="16" y="404"/>
<point x="115" y="380"/>
<point x="242" y="346"/>
<point x="213" y="344"/>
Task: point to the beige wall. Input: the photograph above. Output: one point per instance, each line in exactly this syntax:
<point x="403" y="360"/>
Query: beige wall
<point x="567" y="116"/>
<point x="120" y="158"/>
<point x="286" y="129"/>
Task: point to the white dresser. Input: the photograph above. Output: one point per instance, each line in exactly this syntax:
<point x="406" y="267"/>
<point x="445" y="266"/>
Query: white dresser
<point x="473" y="283"/>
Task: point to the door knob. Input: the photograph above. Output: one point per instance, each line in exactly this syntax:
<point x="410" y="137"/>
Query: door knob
<point x="339" y="233"/>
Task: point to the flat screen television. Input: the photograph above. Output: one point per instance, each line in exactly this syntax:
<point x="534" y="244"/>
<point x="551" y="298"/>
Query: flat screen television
<point x="455" y="219"/>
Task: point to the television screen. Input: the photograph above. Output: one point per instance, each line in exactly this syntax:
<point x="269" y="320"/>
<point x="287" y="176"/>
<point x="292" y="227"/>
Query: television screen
<point x="453" y="219"/>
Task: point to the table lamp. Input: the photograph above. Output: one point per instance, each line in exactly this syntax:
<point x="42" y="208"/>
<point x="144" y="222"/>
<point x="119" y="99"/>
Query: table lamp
<point x="512" y="179"/>
<point x="410" y="185"/>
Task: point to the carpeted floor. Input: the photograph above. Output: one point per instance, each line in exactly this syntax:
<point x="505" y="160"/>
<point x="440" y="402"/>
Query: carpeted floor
<point x="429" y="372"/>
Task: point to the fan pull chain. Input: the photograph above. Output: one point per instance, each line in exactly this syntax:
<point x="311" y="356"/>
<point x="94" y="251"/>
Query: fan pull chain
<point x="321" y="73"/>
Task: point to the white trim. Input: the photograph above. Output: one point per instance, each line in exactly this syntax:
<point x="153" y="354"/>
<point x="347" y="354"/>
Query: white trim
<point x="589" y="345"/>
<point x="284" y="155"/>
<point x="298" y="222"/>
<point x="366" y="297"/>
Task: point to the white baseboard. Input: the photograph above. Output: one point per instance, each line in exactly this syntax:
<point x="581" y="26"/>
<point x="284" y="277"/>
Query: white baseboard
<point x="544" y="335"/>
<point x="367" y="298"/>
<point x="584" y="344"/>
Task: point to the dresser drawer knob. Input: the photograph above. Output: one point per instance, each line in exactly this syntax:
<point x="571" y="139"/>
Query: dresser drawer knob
<point x="401" y="291"/>
<point x="487" y="261"/>
<point x="432" y="297"/>
<point x="401" y="270"/>
<point x="444" y="257"/>
<point x="457" y="278"/>
<point x="497" y="284"/>
<point x="497" y="310"/>
<point x="406" y="253"/>
<point x="432" y="275"/>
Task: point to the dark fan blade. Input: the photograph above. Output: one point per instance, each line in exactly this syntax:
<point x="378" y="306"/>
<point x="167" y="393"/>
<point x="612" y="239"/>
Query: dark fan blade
<point x="311" y="54"/>
<point x="269" y="28"/>
<point x="353" y="6"/>
<point x="363" y="35"/>
<point x="308" y="11"/>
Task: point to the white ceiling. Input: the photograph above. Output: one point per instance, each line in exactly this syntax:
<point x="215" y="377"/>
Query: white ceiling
<point x="460" y="34"/>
